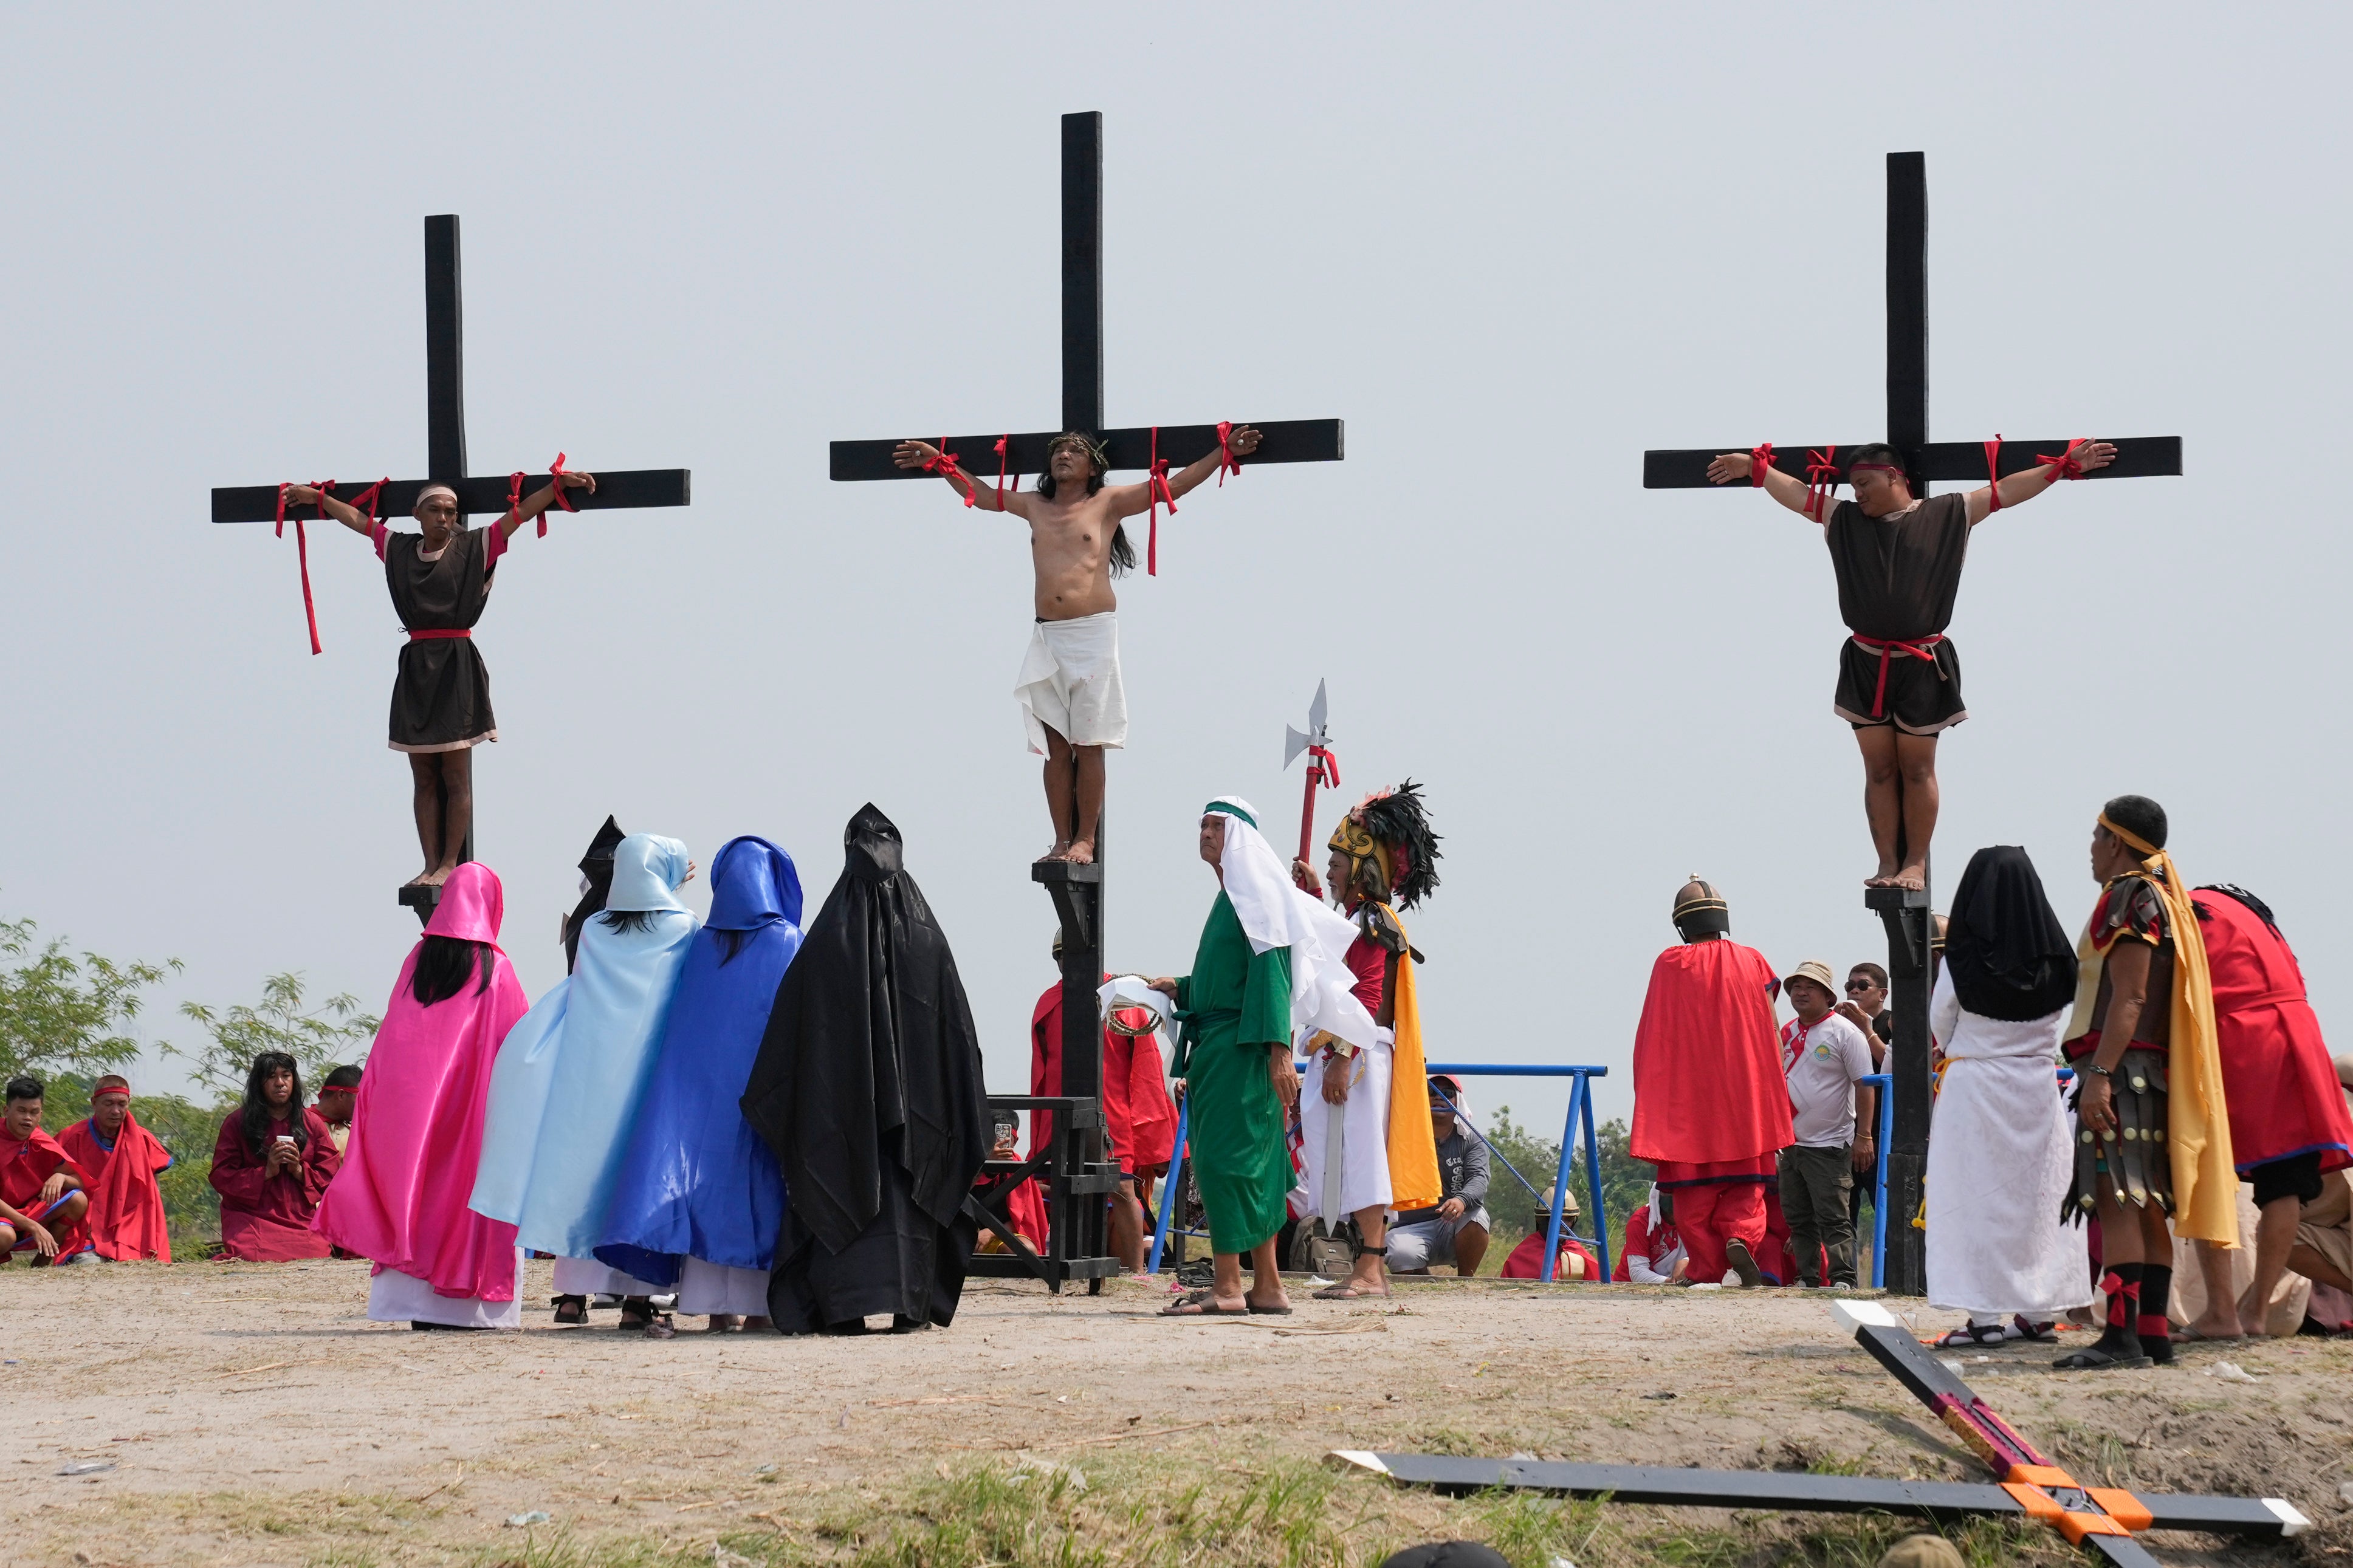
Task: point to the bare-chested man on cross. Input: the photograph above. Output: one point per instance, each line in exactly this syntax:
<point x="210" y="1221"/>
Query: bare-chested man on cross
<point x="1069" y="688"/>
<point x="1898" y="562"/>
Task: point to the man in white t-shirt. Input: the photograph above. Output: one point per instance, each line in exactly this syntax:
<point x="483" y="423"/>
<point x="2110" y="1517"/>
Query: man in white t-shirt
<point x="1822" y="1055"/>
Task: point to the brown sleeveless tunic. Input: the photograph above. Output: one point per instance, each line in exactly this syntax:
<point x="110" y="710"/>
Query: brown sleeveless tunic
<point x="441" y="696"/>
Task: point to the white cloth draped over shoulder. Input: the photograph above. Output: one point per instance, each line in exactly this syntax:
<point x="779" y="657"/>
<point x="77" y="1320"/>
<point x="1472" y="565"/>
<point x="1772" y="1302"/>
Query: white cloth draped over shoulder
<point x="1275" y="913"/>
<point x="2001" y="1152"/>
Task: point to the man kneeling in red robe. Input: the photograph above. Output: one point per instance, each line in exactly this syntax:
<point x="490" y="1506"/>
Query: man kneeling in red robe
<point x="121" y="1160"/>
<point x="1711" y="1108"/>
<point x="42" y="1204"/>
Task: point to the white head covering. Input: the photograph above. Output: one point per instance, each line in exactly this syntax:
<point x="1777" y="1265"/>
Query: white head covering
<point x="1275" y="913"/>
<point x="418" y="510"/>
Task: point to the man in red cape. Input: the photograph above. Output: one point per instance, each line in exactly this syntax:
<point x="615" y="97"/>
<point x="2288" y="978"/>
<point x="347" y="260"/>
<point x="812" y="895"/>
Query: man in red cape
<point x="1139" y="1118"/>
<point x="2288" y="1122"/>
<point x="1711" y="1107"/>
<point x="41" y="1191"/>
<point x="121" y="1160"/>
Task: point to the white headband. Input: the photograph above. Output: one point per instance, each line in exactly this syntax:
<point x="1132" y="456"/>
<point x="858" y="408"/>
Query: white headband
<point x="418" y="510"/>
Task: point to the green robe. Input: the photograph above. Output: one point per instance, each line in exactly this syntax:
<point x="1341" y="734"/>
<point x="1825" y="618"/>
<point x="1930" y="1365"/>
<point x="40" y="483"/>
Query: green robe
<point x="1239" y="1005"/>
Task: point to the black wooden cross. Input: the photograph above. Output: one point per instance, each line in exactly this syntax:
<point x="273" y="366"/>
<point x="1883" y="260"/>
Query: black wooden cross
<point x="444" y="451"/>
<point x="1906" y="913"/>
<point x="2026" y="1485"/>
<point x="1077" y="890"/>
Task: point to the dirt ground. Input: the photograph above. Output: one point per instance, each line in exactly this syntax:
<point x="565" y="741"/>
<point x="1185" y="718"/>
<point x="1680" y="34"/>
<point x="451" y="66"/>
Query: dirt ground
<point x="251" y="1414"/>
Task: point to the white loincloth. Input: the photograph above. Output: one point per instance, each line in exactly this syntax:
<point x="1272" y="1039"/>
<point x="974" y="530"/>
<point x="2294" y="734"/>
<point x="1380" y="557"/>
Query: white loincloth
<point x="2001" y="1150"/>
<point x="1364" y="1124"/>
<point x="586" y="1277"/>
<point x="1070" y="683"/>
<point x="707" y="1288"/>
<point x="398" y="1298"/>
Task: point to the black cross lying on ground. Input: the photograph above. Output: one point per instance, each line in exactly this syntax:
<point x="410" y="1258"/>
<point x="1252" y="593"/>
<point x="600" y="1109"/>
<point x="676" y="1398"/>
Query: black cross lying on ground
<point x="2027" y="1484"/>
<point x="1903" y="911"/>
<point x="444" y="451"/>
<point x="1077" y="890"/>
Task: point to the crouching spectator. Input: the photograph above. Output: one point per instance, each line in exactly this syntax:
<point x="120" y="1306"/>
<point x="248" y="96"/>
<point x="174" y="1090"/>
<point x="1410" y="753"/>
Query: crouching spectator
<point x="1456" y="1231"/>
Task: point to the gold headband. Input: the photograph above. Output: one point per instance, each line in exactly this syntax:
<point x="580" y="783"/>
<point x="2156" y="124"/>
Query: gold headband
<point x="2130" y="839"/>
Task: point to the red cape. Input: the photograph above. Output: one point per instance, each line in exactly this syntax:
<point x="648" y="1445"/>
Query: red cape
<point x="23" y="1168"/>
<point x="1136" y="1107"/>
<point x="1526" y="1262"/>
<point x="1707" y="1060"/>
<point x="2277" y="1080"/>
<point x="126" y="1206"/>
<point x="267" y="1219"/>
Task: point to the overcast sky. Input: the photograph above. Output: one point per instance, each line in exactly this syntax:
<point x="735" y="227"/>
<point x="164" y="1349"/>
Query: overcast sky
<point x="1511" y="249"/>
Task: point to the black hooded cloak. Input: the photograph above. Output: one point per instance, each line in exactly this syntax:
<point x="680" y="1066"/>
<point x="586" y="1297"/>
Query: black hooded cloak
<point x="869" y="1090"/>
<point x="597" y="867"/>
<point x="2009" y="957"/>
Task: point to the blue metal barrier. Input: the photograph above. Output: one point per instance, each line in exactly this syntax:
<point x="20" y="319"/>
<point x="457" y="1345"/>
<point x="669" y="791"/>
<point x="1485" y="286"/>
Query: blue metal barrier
<point x="1580" y="1115"/>
<point x="1886" y="1084"/>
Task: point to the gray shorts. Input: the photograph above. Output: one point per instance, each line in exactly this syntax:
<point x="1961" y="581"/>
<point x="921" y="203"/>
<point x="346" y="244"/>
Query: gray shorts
<point x="1428" y="1241"/>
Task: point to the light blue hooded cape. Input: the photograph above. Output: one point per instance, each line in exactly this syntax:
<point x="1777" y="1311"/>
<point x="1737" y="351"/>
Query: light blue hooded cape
<point x="565" y="1094"/>
<point x="698" y="1180"/>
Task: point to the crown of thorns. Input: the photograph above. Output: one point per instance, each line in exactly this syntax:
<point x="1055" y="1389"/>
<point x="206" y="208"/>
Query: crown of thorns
<point x="1095" y="451"/>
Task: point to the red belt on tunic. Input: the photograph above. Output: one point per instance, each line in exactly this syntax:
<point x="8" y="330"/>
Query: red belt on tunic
<point x="433" y="634"/>
<point x="1886" y="650"/>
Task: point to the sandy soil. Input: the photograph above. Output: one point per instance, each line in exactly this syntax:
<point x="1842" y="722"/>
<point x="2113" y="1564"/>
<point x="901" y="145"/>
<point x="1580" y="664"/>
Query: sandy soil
<point x="241" y="1406"/>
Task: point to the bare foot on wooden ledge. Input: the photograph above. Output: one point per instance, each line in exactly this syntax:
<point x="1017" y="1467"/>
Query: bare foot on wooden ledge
<point x="1081" y="853"/>
<point x="422" y="880"/>
<point x="1060" y="851"/>
<point x="1912" y="879"/>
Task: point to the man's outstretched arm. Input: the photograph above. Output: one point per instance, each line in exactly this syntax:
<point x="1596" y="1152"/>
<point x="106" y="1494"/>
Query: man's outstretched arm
<point x="540" y="499"/>
<point x="1787" y="488"/>
<point x="350" y="516"/>
<point x="922" y="454"/>
<point x="1126" y="500"/>
<point x="2032" y="482"/>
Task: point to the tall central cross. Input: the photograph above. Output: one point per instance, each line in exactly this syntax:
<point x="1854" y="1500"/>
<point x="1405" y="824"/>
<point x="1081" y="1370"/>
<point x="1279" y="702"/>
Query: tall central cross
<point x="1077" y="890"/>
<point x="445" y="452"/>
<point x="1905" y="913"/>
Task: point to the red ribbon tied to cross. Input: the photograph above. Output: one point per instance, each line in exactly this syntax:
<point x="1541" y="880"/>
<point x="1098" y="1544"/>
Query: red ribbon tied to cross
<point x="1227" y="462"/>
<point x="1004" y="456"/>
<point x="1993" y="473"/>
<point x="514" y="497"/>
<point x="1821" y="479"/>
<point x="2069" y="468"/>
<point x="1761" y="463"/>
<point x="555" y="471"/>
<point x="303" y="552"/>
<point x="942" y="462"/>
<point x="1155" y="485"/>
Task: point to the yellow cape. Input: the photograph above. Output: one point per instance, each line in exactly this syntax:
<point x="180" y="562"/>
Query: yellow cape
<point x="1413" y="1145"/>
<point x="2197" y="1124"/>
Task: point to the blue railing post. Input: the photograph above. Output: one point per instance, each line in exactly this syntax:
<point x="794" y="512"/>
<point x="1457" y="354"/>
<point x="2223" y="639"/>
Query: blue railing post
<point x="1593" y="1181"/>
<point x="1882" y="1083"/>
<point x="1171" y="1187"/>
<point x="1560" y="1177"/>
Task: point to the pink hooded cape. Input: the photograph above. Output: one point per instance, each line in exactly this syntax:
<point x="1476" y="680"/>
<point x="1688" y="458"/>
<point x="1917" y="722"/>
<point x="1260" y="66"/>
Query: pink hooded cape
<point x="416" y="1132"/>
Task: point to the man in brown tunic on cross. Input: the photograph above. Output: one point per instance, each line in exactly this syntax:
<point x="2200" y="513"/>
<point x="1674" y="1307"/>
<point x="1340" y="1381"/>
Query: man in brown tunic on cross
<point x="1898" y="562"/>
<point x="440" y="581"/>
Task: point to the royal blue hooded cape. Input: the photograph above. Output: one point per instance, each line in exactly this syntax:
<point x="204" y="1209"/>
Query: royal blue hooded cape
<point x="698" y="1180"/>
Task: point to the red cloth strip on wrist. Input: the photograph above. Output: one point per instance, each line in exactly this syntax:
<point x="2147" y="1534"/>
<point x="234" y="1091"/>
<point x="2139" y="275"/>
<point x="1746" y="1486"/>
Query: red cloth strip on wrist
<point x="1821" y="479"/>
<point x="1887" y="650"/>
<point x="555" y="471"/>
<point x="369" y="498"/>
<point x="1761" y="463"/>
<point x="302" y="554"/>
<point x="514" y="497"/>
<point x="2069" y="468"/>
<point x="1155" y="485"/>
<point x="1227" y="461"/>
<point x="1993" y="472"/>
<point x="942" y="462"/>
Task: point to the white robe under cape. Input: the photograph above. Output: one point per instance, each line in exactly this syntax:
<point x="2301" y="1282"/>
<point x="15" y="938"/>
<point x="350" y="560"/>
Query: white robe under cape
<point x="2001" y="1157"/>
<point x="1364" y="1126"/>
